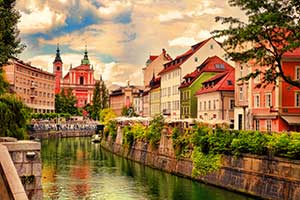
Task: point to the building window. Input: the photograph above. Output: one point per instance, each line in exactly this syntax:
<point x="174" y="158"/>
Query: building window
<point x="219" y="66"/>
<point x="297" y="73"/>
<point x="256" y="124"/>
<point x="214" y="104"/>
<point x="256" y="101"/>
<point x="211" y="46"/>
<point x="208" y="105"/>
<point x="241" y="71"/>
<point x="81" y="80"/>
<point x="297" y="99"/>
<point x="200" y="105"/>
<point x="196" y="59"/>
<point x="231" y="104"/>
<point x="204" y="105"/>
<point x="269" y="125"/>
<point x="241" y="94"/>
<point x="268" y="97"/>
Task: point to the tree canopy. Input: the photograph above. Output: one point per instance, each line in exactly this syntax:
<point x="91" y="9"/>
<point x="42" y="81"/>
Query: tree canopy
<point x="14" y="114"/>
<point x="10" y="43"/>
<point x="100" y="99"/>
<point x="65" y="102"/>
<point x="271" y="30"/>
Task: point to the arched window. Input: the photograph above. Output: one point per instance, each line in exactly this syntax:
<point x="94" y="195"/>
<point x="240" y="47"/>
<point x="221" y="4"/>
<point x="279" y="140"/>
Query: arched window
<point x="57" y="68"/>
<point x="81" y="80"/>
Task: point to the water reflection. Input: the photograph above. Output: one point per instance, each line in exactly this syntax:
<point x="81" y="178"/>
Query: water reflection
<point x="74" y="168"/>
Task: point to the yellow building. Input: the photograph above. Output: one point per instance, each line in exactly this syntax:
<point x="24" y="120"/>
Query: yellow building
<point x="154" y="93"/>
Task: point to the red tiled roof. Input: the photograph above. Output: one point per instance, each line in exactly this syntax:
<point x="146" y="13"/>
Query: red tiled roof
<point x="221" y="85"/>
<point x="216" y="77"/>
<point x="207" y="66"/>
<point x="175" y="64"/>
<point x="152" y="57"/>
<point x="292" y="54"/>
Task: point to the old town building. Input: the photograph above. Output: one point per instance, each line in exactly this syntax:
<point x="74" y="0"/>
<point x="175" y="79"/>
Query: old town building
<point x="193" y="82"/>
<point x="126" y="96"/>
<point x="154" y="96"/>
<point x="79" y="79"/>
<point x="154" y="65"/>
<point x="173" y="72"/>
<point x="216" y="98"/>
<point x="242" y="114"/>
<point x="277" y="107"/>
<point x="34" y="86"/>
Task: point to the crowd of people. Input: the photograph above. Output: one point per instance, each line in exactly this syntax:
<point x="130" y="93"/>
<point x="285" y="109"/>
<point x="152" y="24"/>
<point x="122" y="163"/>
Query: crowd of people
<point x="63" y="125"/>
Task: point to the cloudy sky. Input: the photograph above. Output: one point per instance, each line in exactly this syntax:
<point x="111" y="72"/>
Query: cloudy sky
<point x="120" y="34"/>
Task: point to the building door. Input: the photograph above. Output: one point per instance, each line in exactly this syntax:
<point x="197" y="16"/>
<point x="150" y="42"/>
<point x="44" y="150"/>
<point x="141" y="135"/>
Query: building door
<point x="240" y="121"/>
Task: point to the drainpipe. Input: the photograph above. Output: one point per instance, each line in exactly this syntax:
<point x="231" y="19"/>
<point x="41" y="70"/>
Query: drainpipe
<point x="244" y="116"/>
<point x="222" y="99"/>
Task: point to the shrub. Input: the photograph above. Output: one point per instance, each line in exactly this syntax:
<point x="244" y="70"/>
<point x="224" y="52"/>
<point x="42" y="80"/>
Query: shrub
<point x="250" y="142"/>
<point x="154" y="132"/>
<point x="139" y="131"/>
<point x="181" y="142"/>
<point x="128" y="136"/>
<point x="112" y="129"/>
<point x="204" y="163"/>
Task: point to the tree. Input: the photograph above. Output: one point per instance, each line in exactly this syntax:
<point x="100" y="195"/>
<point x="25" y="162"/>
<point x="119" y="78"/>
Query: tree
<point x="106" y="115"/>
<point x="10" y="43"/>
<point x="14" y="115"/>
<point x="272" y="30"/>
<point x="100" y="98"/>
<point x="65" y="102"/>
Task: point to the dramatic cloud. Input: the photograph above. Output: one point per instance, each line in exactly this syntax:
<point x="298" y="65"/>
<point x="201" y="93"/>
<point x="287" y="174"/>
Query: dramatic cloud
<point x="119" y="34"/>
<point x="104" y="39"/>
<point x="111" y="9"/>
<point x="37" y="20"/>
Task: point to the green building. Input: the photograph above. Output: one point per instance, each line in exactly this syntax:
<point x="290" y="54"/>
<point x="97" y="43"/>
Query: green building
<point x="193" y="82"/>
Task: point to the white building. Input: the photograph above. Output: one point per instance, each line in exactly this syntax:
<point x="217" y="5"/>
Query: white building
<point x="171" y="75"/>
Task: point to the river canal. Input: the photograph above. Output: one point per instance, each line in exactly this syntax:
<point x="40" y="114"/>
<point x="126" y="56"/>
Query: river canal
<point x="75" y="168"/>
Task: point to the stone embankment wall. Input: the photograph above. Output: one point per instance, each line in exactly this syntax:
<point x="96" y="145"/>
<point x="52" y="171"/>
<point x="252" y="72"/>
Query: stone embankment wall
<point x="11" y="187"/>
<point x="269" y="178"/>
<point x="26" y="159"/>
<point x="61" y="134"/>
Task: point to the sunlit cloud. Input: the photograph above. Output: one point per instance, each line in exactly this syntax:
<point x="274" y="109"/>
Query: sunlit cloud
<point x="37" y="20"/>
<point x="119" y="34"/>
<point x="182" y="41"/>
<point x="172" y="15"/>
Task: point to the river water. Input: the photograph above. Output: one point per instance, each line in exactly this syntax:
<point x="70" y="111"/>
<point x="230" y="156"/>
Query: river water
<point x="75" y="168"/>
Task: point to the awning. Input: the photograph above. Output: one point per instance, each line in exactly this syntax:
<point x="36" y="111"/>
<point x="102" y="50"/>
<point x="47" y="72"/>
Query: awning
<point x="291" y="120"/>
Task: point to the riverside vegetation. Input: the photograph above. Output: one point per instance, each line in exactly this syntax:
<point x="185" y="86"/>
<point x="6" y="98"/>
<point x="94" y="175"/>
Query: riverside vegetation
<point x="205" y="145"/>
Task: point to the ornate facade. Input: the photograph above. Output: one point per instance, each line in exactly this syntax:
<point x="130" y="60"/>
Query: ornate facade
<point x="79" y="79"/>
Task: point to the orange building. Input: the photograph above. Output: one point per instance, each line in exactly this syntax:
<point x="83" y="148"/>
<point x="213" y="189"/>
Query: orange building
<point x="277" y="107"/>
<point x="34" y="86"/>
<point x="125" y="97"/>
<point x="79" y="79"/>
